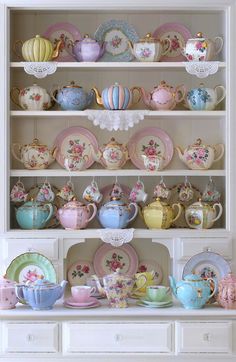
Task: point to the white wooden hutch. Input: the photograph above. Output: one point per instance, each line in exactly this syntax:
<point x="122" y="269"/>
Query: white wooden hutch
<point x="135" y="333"/>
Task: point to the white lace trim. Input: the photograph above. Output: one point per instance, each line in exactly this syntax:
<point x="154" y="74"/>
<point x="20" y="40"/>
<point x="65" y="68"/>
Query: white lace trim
<point x="116" y="237"/>
<point x="40" y="69"/>
<point x="115" y="120"/>
<point x="201" y="69"/>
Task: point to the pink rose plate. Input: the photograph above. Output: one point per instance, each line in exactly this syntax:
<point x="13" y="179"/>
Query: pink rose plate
<point x="79" y="271"/>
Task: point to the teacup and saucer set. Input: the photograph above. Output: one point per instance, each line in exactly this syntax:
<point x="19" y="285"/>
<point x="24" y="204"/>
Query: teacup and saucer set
<point x="81" y="297"/>
<point x="157" y="296"/>
<point x="140" y="290"/>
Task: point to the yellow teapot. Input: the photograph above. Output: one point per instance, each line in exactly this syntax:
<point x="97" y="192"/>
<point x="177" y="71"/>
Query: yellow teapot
<point x="160" y="215"/>
<point x="37" y="49"/>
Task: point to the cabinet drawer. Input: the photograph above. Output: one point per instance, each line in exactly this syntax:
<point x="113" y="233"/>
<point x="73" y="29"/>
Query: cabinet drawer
<point x="117" y="337"/>
<point x="188" y="247"/>
<point x="30" y="337"/>
<point x="213" y="337"/>
<point x="15" y="247"/>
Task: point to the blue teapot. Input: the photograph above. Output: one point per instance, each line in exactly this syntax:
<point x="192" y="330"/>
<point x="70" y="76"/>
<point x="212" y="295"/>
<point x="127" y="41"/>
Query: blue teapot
<point x="205" y="99"/>
<point x="40" y="294"/>
<point x="193" y="292"/>
<point x="116" y="214"/>
<point x="34" y="214"/>
<point x="72" y="97"/>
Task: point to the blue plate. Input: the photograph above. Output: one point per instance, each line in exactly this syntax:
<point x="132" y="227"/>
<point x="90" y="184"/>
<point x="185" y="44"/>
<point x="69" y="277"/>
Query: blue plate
<point x="116" y="34"/>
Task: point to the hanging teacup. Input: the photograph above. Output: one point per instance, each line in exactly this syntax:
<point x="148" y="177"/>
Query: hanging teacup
<point x="210" y="193"/>
<point x="186" y="192"/>
<point x="161" y="191"/>
<point x="92" y="193"/>
<point x="116" y="191"/>
<point x="18" y="193"/>
<point x="138" y="193"/>
<point x="45" y="193"/>
<point x="67" y="191"/>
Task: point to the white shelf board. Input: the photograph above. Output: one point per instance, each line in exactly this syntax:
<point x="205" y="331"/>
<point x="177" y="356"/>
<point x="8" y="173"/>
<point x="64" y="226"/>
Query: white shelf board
<point x="116" y="65"/>
<point x="58" y="113"/>
<point x="112" y="173"/>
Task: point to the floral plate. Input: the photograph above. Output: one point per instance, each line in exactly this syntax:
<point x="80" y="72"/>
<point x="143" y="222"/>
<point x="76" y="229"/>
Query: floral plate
<point x="78" y="141"/>
<point x="116" y="34"/>
<point x="107" y="259"/>
<point x="178" y="34"/>
<point x="151" y="141"/>
<point x="64" y="32"/>
<point x="29" y="266"/>
<point x="149" y="265"/>
<point x="79" y="271"/>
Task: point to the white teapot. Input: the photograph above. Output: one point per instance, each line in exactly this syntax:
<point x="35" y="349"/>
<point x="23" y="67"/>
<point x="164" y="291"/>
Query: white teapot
<point x="201" y="215"/>
<point x="32" y="98"/>
<point x="199" y="156"/>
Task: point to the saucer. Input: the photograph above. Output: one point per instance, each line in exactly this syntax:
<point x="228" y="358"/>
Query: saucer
<point x="93" y="305"/>
<point x="142" y="304"/>
<point x="138" y="295"/>
<point x="70" y="301"/>
<point x="156" y="304"/>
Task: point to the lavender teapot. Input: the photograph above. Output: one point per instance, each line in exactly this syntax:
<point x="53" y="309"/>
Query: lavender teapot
<point x="87" y="49"/>
<point x="113" y="155"/>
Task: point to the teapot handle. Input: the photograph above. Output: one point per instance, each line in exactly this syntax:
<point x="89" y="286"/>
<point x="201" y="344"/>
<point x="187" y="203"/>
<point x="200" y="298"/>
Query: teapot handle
<point x="179" y="211"/>
<point x="16" y="48"/>
<point x="180" y="92"/>
<point x="221" y="150"/>
<point x="221" y="95"/>
<point x="215" y="287"/>
<point x="94" y="211"/>
<point x="220" y="211"/>
<point x="165" y="50"/>
<point x="13" y="98"/>
<point x="53" y="91"/>
<point x="18" y="145"/>
<point x="19" y="293"/>
<point x="220" y="42"/>
<point x="134" y="290"/>
<point x="135" y="211"/>
<point x="138" y="89"/>
<point x="51" y="211"/>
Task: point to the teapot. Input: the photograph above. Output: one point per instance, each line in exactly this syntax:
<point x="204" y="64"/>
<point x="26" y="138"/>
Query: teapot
<point x="76" y="215"/>
<point x="226" y="296"/>
<point x="117" y="97"/>
<point x="34" y="214"/>
<point x="204" y="99"/>
<point x="34" y="156"/>
<point x="202" y="49"/>
<point x="116" y="214"/>
<point x="193" y="291"/>
<point x="149" y="49"/>
<point x="8" y="297"/>
<point x="201" y="215"/>
<point x="32" y="98"/>
<point x="117" y="288"/>
<point x="159" y="215"/>
<point x="37" y="49"/>
<point x="40" y="294"/>
<point x="199" y="156"/>
<point x="113" y="155"/>
<point x="86" y="49"/>
<point x="163" y="96"/>
<point x="72" y="97"/>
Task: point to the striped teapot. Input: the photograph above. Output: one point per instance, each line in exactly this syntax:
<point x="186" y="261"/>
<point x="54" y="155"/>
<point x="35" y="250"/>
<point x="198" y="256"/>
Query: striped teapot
<point x="117" y="97"/>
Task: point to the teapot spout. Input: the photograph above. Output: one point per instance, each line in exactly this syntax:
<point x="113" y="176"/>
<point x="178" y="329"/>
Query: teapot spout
<point x="90" y="97"/>
<point x="146" y="97"/>
<point x="56" y="50"/>
<point x="180" y="153"/>
<point x="173" y="285"/>
<point x="98" y="96"/>
<point x="98" y="284"/>
<point x="63" y="287"/>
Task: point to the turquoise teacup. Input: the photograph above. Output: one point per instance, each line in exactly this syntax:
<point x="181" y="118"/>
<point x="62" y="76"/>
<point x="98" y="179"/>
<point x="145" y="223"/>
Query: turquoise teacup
<point x="157" y="293"/>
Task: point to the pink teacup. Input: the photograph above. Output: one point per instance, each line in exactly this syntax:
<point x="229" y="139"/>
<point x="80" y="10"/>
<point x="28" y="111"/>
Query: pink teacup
<point x="82" y="293"/>
<point x="137" y="193"/>
<point x="67" y="191"/>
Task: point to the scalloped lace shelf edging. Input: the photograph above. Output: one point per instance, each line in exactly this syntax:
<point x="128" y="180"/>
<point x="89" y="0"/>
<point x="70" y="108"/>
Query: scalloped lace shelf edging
<point x="116" y="237"/>
<point x="201" y="69"/>
<point x="40" y="69"/>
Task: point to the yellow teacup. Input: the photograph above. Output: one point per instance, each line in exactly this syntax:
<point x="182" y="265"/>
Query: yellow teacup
<point x="139" y="277"/>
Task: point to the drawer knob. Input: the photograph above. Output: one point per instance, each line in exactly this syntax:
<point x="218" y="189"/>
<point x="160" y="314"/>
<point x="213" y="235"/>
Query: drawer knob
<point x="118" y="337"/>
<point x="30" y="338"/>
<point x="206" y="337"/>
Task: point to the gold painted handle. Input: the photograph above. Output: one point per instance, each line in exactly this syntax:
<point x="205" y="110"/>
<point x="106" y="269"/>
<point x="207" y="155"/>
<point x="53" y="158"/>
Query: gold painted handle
<point x="138" y="89"/>
<point x="16" y="48"/>
<point x="13" y="94"/>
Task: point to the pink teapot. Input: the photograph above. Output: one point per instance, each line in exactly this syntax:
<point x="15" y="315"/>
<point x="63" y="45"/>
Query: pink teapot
<point x="8" y="297"/>
<point x="87" y="49"/>
<point x="75" y="215"/>
<point x="226" y="296"/>
<point x="112" y="155"/>
<point x="163" y="96"/>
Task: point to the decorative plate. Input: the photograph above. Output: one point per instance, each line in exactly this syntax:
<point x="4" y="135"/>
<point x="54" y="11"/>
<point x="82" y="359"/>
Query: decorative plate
<point x="28" y="266"/>
<point x="116" y="34"/>
<point x="149" y="265"/>
<point x="150" y="141"/>
<point x="178" y="34"/>
<point x="107" y="259"/>
<point x="64" y="32"/>
<point x="174" y="198"/>
<point x="79" y="271"/>
<point x="77" y="140"/>
<point x="208" y="265"/>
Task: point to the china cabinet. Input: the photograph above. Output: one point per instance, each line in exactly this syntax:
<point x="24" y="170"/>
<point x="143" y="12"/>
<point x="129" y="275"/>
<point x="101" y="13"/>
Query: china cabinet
<point x="103" y="333"/>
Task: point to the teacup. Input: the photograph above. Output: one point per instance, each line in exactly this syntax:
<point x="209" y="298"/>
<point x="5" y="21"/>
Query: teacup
<point x="186" y="192"/>
<point x="18" y="193"/>
<point x="67" y="191"/>
<point x="162" y="191"/>
<point x="90" y="281"/>
<point x="75" y="162"/>
<point x="137" y="193"/>
<point x="157" y="293"/>
<point x="45" y="193"/>
<point x="153" y="163"/>
<point x="149" y="280"/>
<point x="92" y="193"/>
<point x="82" y="293"/>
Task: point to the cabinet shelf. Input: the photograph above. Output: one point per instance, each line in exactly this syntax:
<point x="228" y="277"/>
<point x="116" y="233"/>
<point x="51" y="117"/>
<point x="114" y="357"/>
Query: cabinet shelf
<point x="112" y="173"/>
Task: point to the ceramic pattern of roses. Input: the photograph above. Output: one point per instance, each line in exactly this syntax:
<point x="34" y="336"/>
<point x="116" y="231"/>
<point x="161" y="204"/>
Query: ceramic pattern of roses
<point x="198" y="157"/>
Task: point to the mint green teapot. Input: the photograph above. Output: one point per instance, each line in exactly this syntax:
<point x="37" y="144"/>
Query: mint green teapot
<point x="194" y="291"/>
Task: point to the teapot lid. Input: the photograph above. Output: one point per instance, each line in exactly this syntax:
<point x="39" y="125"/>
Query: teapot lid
<point x="41" y="283"/>
<point x="164" y="85"/>
<point x="118" y="275"/>
<point x="35" y="144"/>
<point x="199" y="36"/>
<point x="158" y="203"/>
<point x="88" y="40"/>
<point x="71" y="85"/>
<point x="149" y="39"/>
<point x="74" y="204"/>
<point x="193" y="278"/>
<point x="228" y="279"/>
<point x="6" y="283"/>
<point x="113" y="142"/>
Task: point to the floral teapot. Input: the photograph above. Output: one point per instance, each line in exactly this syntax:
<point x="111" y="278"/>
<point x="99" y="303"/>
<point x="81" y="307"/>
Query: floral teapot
<point x="40" y="294"/>
<point x="199" y="156"/>
<point x="163" y="96"/>
<point x="160" y="215"/>
<point x="117" y="288"/>
<point x="205" y="99"/>
<point x="116" y="214"/>
<point x="34" y="156"/>
<point x="37" y="49"/>
<point x="8" y="299"/>
<point x="113" y="155"/>
<point x="201" y="48"/>
<point x="117" y="97"/>
<point x="201" y="215"/>
<point x="34" y="214"/>
<point x="193" y="292"/>
<point x="87" y="49"/>
<point x="75" y="215"/>
<point x="226" y="296"/>
<point x="32" y="98"/>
